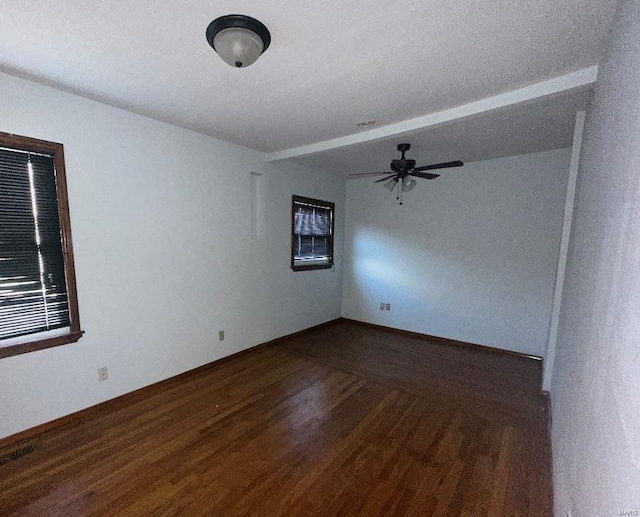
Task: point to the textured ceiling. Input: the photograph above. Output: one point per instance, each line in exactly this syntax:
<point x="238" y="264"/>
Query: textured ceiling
<point x="331" y="64"/>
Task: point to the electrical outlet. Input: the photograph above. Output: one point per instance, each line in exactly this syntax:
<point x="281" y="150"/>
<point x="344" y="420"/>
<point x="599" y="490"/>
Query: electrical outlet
<point x="382" y="306"/>
<point x="221" y="335"/>
<point x="387" y="307"/>
<point x="103" y="374"/>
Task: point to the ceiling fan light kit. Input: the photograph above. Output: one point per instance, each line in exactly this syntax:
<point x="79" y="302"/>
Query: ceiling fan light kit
<point x="391" y="184"/>
<point x="404" y="171"/>
<point x="408" y="183"/>
<point x="238" y="39"/>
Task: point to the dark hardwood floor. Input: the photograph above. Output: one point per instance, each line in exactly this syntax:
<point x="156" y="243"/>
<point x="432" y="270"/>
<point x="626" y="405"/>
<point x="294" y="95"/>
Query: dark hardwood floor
<point x="344" y="420"/>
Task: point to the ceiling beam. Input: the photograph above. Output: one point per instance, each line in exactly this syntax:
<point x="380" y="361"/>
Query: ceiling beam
<point x="552" y="87"/>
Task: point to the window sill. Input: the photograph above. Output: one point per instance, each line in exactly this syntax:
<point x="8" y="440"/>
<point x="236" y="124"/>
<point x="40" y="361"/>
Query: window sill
<point x="312" y="266"/>
<point x="23" y="348"/>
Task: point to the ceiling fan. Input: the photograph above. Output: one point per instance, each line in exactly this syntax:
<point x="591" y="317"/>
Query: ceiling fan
<point x="403" y="173"/>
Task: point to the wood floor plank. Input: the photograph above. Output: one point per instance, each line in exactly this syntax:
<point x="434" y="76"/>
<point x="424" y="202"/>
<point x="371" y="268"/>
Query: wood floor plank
<point x="345" y="420"/>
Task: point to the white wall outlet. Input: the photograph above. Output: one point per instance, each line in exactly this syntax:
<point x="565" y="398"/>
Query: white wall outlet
<point x="103" y="374"/>
<point x="221" y="335"/>
<point x="387" y="306"/>
<point x="382" y="306"/>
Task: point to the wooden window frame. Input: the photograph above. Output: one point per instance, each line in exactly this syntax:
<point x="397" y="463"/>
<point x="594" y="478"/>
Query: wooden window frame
<point x="325" y="204"/>
<point x="56" y="151"/>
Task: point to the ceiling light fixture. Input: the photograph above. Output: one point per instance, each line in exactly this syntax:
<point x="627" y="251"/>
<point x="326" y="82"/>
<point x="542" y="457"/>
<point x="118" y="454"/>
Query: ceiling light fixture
<point x="239" y="40"/>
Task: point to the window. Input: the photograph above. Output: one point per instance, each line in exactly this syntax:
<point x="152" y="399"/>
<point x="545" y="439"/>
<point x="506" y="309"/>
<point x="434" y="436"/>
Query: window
<point x="38" y="303"/>
<point x="311" y="234"/>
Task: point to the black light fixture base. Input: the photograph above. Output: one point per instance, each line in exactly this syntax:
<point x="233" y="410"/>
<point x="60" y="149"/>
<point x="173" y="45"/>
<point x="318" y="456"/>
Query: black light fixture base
<point x="403" y="148"/>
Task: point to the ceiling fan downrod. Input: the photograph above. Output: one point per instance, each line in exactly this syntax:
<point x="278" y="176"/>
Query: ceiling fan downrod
<point x="403" y="148"/>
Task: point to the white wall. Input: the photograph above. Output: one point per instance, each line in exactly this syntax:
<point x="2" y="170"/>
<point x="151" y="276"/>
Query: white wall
<point x="596" y="382"/>
<point x="164" y="257"/>
<point x="470" y="256"/>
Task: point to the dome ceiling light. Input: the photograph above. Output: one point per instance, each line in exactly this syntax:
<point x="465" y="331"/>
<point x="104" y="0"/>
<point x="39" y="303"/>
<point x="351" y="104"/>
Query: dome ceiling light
<point x="239" y="40"/>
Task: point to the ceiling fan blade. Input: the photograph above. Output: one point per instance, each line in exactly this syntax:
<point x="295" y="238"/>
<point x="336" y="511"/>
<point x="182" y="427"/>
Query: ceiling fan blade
<point x="385" y="179"/>
<point x="444" y="165"/>
<point x="369" y="174"/>
<point x="425" y="175"/>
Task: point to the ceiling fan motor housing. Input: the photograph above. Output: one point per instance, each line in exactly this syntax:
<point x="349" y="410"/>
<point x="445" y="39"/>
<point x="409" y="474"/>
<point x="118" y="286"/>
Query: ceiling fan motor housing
<point x="402" y="166"/>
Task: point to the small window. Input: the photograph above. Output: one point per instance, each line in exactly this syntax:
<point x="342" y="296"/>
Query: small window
<point x="38" y="303"/>
<point x="311" y="234"/>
